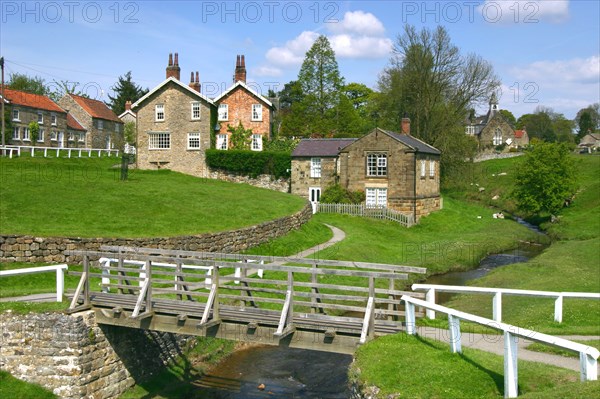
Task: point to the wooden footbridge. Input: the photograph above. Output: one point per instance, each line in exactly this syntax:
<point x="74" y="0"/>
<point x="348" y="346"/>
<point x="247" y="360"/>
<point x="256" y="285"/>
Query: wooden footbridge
<point x="326" y="305"/>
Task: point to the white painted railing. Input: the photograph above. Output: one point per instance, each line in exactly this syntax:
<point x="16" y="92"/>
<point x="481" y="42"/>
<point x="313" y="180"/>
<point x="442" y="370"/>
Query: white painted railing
<point x="71" y="152"/>
<point x="431" y="289"/>
<point x="588" y="356"/>
<point x="60" y="276"/>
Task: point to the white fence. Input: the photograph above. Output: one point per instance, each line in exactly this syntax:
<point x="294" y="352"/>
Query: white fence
<point x="70" y="152"/>
<point x="60" y="276"/>
<point x="497" y="299"/>
<point x="588" y="356"/>
<point x="406" y="220"/>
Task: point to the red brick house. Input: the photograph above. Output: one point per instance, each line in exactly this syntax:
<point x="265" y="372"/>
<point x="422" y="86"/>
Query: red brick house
<point x="242" y="104"/>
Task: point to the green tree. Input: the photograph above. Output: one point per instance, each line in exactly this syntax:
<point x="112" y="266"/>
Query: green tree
<point x="240" y="137"/>
<point x="34" y="85"/>
<point x="34" y="131"/>
<point x="508" y="116"/>
<point x="125" y="90"/>
<point x="129" y="133"/>
<point x="546" y="179"/>
<point x="588" y="120"/>
<point x="57" y="89"/>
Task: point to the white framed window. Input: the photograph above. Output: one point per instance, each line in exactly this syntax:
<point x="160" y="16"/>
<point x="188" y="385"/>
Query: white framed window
<point x="377" y="164"/>
<point x="71" y="136"/>
<point x="257" y="112"/>
<point x="53" y="119"/>
<point x="16" y="135"/>
<point x="223" y="112"/>
<point x="497" y="140"/>
<point x="159" y="112"/>
<point x="159" y="141"/>
<point x="193" y="141"/>
<point x="117" y="127"/>
<point x="16" y="117"/>
<point x="195" y="111"/>
<point x="376" y="197"/>
<point x="40" y="117"/>
<point x="315" y="167"/>
<point x="431" y="168"/>
<point x="53" y="135"/>
<point x="314" y="194"/>
<point x="41" y="135"/>
<point x="422" y="168"/>
<point x="470" y="130"/>
<point x="26" y="134"/>
<point x="256" y="142"/>
<point x="81" y="137"/>
<point x="100" y="124"/>
<point x="222" y="142"/>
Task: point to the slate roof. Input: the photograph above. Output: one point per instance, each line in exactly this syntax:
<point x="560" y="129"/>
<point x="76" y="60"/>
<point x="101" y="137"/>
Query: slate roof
<point x="95" y="108"/>
<point x="73" y="124"/>
<point x="412" y="142"/>
<point x="321" y="147"/>
<point x="36" y="101"/>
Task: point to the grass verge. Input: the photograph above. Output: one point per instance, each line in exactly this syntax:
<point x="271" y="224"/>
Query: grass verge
<point x="11" y="387"/>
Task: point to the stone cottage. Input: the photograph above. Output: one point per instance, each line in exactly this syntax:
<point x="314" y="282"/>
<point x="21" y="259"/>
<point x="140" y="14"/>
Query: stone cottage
<point x="174" y="124"/>
<point x="240" y="103"/>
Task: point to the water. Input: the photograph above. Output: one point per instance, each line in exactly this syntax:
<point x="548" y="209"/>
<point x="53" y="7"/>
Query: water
<point x="284" y="372"/>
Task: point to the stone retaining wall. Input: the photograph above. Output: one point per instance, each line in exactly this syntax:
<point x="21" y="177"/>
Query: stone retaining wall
<point x="488" y="156"/>
<point x="262" y="181"/>
<point x="15" y="248"/>
<point x="75" y="358"/>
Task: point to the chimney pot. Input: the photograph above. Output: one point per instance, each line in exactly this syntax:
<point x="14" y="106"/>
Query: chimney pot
<point x="176" y="59"/>
<point x="197" y="77"/>
<point x="191" y="78"/>
<point x="405" y="126"/>
<point x="170" y="59"/>
<point x="127" y="105"/>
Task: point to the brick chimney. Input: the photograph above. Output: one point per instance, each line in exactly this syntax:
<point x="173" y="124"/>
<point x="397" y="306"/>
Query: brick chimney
<point x="405" y="126"/>
<point x="195" y="84"/>
<point x="127" y="105"/>
<point x="173" y="67"/>
<point x="240" y="69"/>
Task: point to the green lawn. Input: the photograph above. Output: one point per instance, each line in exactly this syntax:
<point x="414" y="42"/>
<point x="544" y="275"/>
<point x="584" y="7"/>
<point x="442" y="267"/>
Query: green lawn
<point x="11" y="387"/>
<point x="85" y="198"/>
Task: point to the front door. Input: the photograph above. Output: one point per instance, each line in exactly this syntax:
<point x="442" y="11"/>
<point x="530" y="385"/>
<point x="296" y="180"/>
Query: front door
<point x="61" y="140"/>
<point x="314" y="196"/>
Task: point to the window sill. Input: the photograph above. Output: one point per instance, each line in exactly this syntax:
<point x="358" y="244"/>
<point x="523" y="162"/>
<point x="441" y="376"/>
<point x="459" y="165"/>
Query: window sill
<point x="193" y="149"/>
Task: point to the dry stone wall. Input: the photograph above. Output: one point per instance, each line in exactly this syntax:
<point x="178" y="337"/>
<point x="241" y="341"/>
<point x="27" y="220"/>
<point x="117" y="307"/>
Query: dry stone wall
<point x="52" y="249"/>
<point x="74" y="357"/>
<point x="262" y="181"/>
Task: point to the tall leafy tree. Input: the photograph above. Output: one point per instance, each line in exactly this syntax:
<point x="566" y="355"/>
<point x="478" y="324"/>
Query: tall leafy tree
<point x="588" y="120"/>
<point x="546" y="179"/>
<point x="125" y="90"/>
<point x="508" y="116"/>
<point x="23" y="82"/>
<point x="430" y="81"/>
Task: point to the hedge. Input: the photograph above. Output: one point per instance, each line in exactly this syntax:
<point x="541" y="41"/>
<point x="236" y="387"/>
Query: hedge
<point x="251" y="163"/>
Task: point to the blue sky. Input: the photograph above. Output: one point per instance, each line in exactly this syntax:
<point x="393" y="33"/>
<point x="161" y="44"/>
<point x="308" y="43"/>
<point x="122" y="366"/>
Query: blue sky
<point x="545" y="52"/>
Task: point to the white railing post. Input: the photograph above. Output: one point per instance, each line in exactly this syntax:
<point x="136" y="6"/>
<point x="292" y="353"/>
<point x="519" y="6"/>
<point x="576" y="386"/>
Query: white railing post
<point x="455" y="338"/>
<point x="511" y="377"/>
<point x="46" y="152"/>
<point x="497" y="307"/>
<point x="430" y="297"/>
<point x="410" y="318"/>
<point x="33" y="151"/>
<point x="558" y="306"/>
<point x="60" y="283"/>
<point x="588" y="367"/>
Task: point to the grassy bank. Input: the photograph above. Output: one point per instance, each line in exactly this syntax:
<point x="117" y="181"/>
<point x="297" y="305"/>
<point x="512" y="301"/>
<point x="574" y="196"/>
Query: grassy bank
<point x="85" y="198"/>
<point x="11" y="387"/>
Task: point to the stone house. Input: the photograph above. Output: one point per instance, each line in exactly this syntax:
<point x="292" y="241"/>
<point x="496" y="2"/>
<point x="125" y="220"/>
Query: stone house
<point x="315" y="166"/>
<point x="394" y="170"/>
<point x="25" y="108"/>
<point x="174" y="124"/>
<point x="128" y="115"/>
<point x="242" y="104"/>
<point x="492" y="130"/>
<point x="75" y="133"/>
<point x="103" y="128"/>
<point x="590" y="141"/>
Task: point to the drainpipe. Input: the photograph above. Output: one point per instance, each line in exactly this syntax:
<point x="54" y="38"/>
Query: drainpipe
<point x="415" y="189"/>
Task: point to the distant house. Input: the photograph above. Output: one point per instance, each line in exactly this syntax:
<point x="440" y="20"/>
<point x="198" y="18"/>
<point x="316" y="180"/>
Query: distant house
<point x="492" y="130"/>
<point x="174" y="124"/>
<point x="103" y="128"/>
<point x="75" y="132"/>
<point x="590" y="141"/>
<point x="128" y="115"/>
<point x="315" y="166"/>
<point x="394" y="170"/>
<point x="25" y="108"/>
<point x="242" y="104"/>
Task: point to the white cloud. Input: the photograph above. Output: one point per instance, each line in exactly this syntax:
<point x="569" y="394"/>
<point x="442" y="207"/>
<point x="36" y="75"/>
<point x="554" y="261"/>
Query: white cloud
<point x="358" y="22"/>
<point x="347" y="46"/>
<point x="529" y="11"/>
<point x="267" y="71"/>
<point x="292" y="53"/>
<point x="577" y="70"/>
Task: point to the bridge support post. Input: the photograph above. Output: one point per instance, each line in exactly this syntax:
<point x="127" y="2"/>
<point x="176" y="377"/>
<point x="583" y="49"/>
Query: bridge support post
<point x="410" y="318"/>
<point x="455" y="338"/>
<point x="588" y="367"/>
<point x="511" y="376"/>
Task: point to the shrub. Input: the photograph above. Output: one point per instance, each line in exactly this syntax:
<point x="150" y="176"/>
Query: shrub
<point x="337" y="194"/>
<point x="251" y="163"/>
